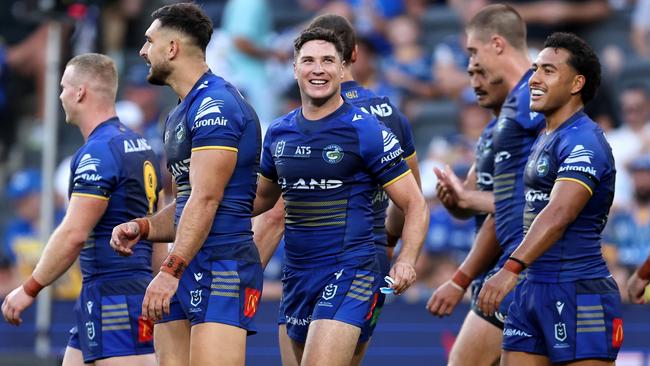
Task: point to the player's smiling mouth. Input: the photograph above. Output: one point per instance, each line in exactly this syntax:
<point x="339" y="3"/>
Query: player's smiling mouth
<point x="536" y="93"/>
<point x="318" y="82"/>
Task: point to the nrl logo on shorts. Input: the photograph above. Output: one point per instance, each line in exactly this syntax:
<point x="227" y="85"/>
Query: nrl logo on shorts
<point x="329" y="292"/>
<point x="90" y="329"/>
<point x="560" y="331"/>
<point x="195" y="299"/>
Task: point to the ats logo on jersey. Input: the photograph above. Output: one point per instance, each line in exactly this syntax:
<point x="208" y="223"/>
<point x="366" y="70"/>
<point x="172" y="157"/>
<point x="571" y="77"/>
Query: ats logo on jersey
<point x="145" y="330"/>
<point x="252" y="299"/>
<point x="389" y="140"/>
<point x="332" y="154"/>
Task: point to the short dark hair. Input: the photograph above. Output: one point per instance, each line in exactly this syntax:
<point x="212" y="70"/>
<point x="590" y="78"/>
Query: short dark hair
<point x="187" y="18"/>
<point x="582" y="58"/>
<point x="502" y="20"/>
<point x="317" y="33"/>
<point x="341" y="27"/>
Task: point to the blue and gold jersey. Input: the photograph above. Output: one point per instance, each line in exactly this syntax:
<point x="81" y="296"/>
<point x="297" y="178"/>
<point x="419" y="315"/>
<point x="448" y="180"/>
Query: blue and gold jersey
<point x="484" y="165"/>
<point x="399" y="125"/>
<point x="328" y="170"/>
<point x="576" y="151"/>
<point x="119" y="166"/>
<point x="214" y="115"/>
<point x="512" y="138"/>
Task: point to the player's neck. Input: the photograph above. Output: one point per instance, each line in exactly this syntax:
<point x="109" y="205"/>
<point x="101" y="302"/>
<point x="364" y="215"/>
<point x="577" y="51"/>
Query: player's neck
<point x="562" y="114"/>
<point x="517" y="64"/>
<point x="315" y="112"/>
<point x="347" y="74"/>
<point x="98" y="116"/>
<point x="185" y="76"/>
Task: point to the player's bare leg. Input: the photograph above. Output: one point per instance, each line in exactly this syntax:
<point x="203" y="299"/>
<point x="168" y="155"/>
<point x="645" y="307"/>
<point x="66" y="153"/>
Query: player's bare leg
<point x="591" y="363"/>
<point x="133" y="360"/>
<point x="522" y="358"/>
<point x="326" y="335"/>
<point x="360" y="353"/>
<point x="217" y="344"/>
<point x="172" y="343"/>
<point x="73" y="357"/>
<point x="290" y="350"/>
<point x="477" y="344"/>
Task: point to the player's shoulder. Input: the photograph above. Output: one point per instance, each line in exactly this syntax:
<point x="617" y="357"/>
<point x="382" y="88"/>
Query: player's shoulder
<point x="284" y="121"/>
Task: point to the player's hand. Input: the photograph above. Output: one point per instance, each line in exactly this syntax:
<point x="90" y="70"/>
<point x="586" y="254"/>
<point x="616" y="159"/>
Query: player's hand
<point x="636" y="288"/>
<point x="124" y="237"/>
<point x="444" y="299"/>
<point x="158" y="296"/>
<point x="15" y="303"/>
<point x="495" y="289"/>
<point x="403" y="274"/>
<point x="444" y="189"/>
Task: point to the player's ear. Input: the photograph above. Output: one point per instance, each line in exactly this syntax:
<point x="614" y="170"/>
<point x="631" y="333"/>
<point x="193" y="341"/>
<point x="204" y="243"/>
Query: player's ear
<point x="343" y="64"/>
<point x="81" y="93"/>
<point x="172" y="50"/>
<point x="578" y="84"/>
<point x="498" y="44"/>
<point x="355" y="54"/>
<point x="295" y="71"/>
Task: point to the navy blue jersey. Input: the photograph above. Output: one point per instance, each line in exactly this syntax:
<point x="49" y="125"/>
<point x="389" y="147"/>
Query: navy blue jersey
<point x="484" y="165"/>
<point x="214" y="115"/>
<point x="119" y="166"/>
<point x="512" y="138"/>
<point x="576" y="151"/>
<point x="399" y="125"/>
<point x="328" y="171"/>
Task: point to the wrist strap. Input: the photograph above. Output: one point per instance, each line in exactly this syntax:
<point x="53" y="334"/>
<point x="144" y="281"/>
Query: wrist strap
<point x="32" y="287"/>
<point x="143" y="225"/>
<point x="174" y="265"/>
<point x="515" y="265"/>
<point x="644" y="271"/>
<point x="461" y="279"/>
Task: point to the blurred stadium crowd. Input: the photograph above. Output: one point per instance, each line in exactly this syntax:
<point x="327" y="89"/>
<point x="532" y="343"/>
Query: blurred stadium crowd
<point x="411" y="51"/>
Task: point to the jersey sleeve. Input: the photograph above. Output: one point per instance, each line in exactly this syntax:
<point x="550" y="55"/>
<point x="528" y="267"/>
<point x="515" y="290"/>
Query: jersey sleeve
<point x="215" y="122"/>
<point x="582" y="159"/>
<point x="381" y="152"/>
<point x="267" y="165"/>
<point x="529" y="120"/>
<point x="95" y="172"/>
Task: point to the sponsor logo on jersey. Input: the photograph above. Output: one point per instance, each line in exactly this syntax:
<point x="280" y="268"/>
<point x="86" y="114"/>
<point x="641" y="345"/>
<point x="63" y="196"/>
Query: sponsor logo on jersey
<point x="512" y="332"/>
<point x="87" y="164"/>
<point x="195" y="297"/>
<point x="303" y="151"/>
<point x="379" y="197"/>
<point x="542" y="166"/>
<point x="534" y="195"/>
<point x="208" y="105"/>
<point x="392" y="155"/>
<point x="574" y="168"/>
<point x="338" y="273"/>
<point x="484" y="178"/>
<point x="252" y="299"/>
<point x="357" y="117"/>
<point x="297" y="321"/>
<point x="389" y="140"/>
<point x="501" y="156"/>
<point x="579" y="154"/>
<point x="217" y="121"/>
<point x="351" y="94"/>
<point x="198" y="276"/>
<point x="180" y="167"/>
<point x="381" y="110"/>
<point x="533" y="115"/>
<point x="311" y="183"/>
<point x="136" y="145"/>
<point x="333" y="154"/>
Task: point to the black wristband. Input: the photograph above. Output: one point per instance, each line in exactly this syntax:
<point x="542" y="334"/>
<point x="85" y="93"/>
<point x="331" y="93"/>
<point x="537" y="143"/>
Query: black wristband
<point x="523" y="264"/>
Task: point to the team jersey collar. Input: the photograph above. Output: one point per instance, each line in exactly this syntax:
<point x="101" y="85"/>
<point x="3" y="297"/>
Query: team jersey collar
<point x="349" y="85"/>
<point x="575" y="117"/>
<point x="108" y="122"/>
<point x="197" y="86"/>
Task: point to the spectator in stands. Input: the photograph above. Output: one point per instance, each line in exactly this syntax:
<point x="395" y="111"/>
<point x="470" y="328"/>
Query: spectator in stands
<point x="640" y="36"/>
<point x="408" y="68"/>
<point x="630" y="139"/>
<point x="628" y="230"/>
<point x="365" y="71"/>
<point x="248" y="24"/>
